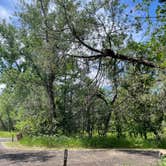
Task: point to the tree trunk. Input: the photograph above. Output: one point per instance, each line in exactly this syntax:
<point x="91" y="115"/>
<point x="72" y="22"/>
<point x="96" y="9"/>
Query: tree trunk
<point x="106" y="124"/>
<point x="107" y="120"/>
<point x="3" y="124"/>
<point x="89" y="123"/>
<point x="51" y="76"/>
<point x="50" y="93"/>
<point x="10" y="122"/>
<point x="145" y="136"/>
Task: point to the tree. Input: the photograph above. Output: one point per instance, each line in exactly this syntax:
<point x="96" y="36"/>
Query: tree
<point x="47" y="63"/>
<point x="106" y="17"/>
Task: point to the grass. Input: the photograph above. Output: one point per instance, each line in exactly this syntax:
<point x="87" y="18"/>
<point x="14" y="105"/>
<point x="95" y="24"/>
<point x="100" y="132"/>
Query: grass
<point x="6" y="134"/>
<point x="17" y="146"/>
<point x="95" y="142"/>
<point x="163" y="162"/>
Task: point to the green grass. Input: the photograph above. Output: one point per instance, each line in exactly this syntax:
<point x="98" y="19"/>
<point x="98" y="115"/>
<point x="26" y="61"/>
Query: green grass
<point x="163" y="162"/>
<point x="6" y="134"/>
<point x="95" y="142"/>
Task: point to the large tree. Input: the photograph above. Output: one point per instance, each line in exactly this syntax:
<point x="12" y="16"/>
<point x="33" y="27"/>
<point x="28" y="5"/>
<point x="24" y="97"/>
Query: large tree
<point x="51" y="55"/>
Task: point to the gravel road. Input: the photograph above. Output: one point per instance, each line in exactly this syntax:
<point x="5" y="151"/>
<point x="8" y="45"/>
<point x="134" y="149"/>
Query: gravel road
<point x="99" y="157"/>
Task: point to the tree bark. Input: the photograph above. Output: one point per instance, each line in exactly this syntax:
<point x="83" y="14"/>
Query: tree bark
<point x="50" y="92"/>
<point x="3" y="124"/>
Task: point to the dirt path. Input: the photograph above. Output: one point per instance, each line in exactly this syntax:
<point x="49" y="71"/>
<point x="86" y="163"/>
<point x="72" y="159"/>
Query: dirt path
<point x="101" y="157"/>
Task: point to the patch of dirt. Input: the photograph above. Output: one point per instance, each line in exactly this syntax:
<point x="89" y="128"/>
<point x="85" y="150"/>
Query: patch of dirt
<point x="100" y="157"/>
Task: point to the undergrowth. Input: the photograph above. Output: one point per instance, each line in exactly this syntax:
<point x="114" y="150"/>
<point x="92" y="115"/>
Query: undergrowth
<point x="94" y="142"/>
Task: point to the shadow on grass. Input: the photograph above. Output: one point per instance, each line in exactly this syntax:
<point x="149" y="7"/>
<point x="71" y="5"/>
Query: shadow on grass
<point x="26" y="157"/>
<point x="105" y="142"/>
<point x="113" y="142"/>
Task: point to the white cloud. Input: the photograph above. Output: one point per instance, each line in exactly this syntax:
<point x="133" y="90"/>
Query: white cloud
<point x="2" y="87"/>
<point x="4" y="13"/>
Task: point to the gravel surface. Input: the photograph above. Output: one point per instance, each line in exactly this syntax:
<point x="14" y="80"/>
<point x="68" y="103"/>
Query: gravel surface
<point x="99" y="157"/>
<point x="5" y="139"/>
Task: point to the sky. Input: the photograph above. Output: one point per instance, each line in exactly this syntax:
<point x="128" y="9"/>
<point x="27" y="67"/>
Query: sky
<point x="7" y="8"/>
<point x="2" y="86"/>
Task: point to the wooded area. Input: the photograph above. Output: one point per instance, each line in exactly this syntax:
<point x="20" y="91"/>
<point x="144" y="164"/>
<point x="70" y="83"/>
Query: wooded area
<point x="73" y="67"/>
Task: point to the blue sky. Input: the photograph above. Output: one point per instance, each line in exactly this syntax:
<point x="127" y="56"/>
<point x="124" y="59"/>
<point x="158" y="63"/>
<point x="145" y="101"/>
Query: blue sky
<point x="7" y="8"/>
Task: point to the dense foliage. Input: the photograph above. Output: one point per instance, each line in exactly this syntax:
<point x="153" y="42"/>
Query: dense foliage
<point x="75" y="67"/>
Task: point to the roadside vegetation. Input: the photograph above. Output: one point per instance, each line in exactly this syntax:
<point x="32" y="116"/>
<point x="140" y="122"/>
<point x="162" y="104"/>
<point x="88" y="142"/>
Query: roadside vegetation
<point x="94" y="142"/>
<point x="163" y="162"/>
<point x="110" y="141"/>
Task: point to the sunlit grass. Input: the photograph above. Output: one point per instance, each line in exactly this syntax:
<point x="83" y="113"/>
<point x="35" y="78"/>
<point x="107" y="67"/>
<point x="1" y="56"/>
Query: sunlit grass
<point x="162" y="162"/>
<point x="94" y="142"/>
<point x="6" y="134"/>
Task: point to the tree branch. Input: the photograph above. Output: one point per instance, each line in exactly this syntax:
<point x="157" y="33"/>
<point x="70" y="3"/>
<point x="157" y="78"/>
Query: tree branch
<point x="122" y="58"/>
<point x="107" y="52"/>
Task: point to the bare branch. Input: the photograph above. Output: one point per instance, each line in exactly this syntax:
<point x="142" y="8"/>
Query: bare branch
<point x="122" y="58"/>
